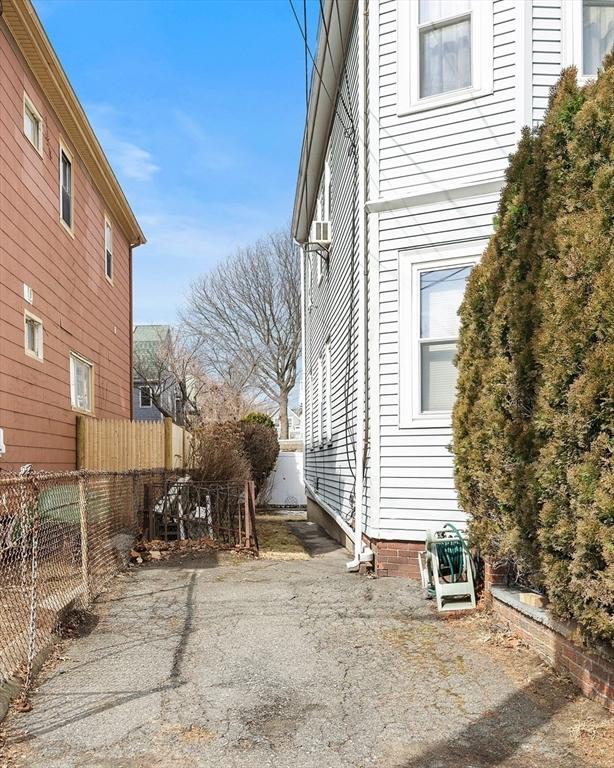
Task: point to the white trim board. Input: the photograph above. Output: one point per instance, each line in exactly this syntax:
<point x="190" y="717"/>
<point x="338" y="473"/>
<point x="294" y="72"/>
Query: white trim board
<point x="427" y="195"/>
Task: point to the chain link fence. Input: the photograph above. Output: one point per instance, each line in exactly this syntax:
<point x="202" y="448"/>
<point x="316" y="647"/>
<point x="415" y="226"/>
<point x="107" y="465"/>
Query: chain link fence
<point x="62" y="537"/>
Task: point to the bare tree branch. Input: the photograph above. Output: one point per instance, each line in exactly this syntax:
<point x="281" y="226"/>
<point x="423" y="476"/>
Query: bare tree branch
<point x="246" y="312"/>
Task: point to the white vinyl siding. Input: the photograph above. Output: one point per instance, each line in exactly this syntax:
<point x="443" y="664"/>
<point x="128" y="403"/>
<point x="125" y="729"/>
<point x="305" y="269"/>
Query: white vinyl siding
<point x="547" y="55"/>
<point x="332" y="319"/>
<point x="468" y="140"/>
<point x="432" y="176"/>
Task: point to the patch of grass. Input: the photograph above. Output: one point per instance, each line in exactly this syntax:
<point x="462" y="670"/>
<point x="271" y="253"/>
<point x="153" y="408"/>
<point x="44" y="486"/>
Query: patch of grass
<point x="276" y="541"/>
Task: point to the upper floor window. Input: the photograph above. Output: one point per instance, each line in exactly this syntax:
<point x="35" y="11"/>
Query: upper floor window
<point x="66" y="189"/>
<point x="108" y="249"/>
<point x="597" y="33"/>
<point x="444" y="30"/>
<point x="32" y="124"/>
<point x="145" y="399"/>
<point x="81" y="383"/>
<point x="444" y="52"/>
<point x="33" y="328"/>
<point x="588" y="34"/>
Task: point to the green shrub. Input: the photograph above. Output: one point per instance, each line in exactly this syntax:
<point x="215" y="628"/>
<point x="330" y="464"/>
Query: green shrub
<point x="262" y="448"/>
<point x="258" y="418"/>
<point x="534" y="418"/>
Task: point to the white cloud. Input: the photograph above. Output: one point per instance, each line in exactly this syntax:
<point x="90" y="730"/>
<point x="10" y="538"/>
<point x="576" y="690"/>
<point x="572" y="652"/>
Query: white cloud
<point x="132" y="162"/>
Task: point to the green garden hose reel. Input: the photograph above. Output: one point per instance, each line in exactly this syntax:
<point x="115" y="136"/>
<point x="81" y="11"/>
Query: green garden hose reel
<point x="447" y="569"/>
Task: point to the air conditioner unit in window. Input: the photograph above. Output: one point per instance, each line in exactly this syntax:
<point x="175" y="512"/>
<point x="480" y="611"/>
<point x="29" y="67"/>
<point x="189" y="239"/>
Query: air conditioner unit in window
<point x="320" y="233"/>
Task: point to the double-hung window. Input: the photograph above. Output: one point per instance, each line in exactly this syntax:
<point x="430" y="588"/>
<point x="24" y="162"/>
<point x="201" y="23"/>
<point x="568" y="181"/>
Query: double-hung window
<point x="108" y="249"/>
<point x="81" y="383"/>
<point x="597" y="33"/>
<point x="588" y="34"/>
<point x="432" y="287"/>
<point x="444" y="52"/>
<point x="66" y="189"/>
<point x="32" y="124"/>
<point x="145" y="397"/>
<point x="33" y="332"/>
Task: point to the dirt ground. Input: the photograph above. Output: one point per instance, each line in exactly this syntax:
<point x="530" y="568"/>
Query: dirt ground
<point x="289" y="661"/>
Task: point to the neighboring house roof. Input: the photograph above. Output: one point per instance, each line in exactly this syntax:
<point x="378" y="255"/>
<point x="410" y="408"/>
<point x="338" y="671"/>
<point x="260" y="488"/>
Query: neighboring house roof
<point x="28" y="33"/>
<point x="296" y="411"/>
<point x="338" y="16"/>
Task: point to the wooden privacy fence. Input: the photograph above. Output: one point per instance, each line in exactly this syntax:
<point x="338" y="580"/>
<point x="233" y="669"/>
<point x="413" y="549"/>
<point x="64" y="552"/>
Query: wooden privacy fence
<point x="120" y="445"/>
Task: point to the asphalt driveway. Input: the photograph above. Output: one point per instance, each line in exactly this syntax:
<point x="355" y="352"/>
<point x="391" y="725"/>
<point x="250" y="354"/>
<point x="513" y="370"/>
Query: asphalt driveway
<point x="221" y="661"/>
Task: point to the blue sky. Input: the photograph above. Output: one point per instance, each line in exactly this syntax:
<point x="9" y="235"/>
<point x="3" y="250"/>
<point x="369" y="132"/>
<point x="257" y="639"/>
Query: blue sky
<point x="200" y="106"/>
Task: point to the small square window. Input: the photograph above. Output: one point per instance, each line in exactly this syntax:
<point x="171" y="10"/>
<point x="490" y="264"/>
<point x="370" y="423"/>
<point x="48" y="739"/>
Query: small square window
<point x="108" y="249"/>
<point x="33" y="328"/>
<point x="66" y="189"/>
<point x="81" y="379"/>
<point x="32" y="124"/>
<point x="145" y="397"/>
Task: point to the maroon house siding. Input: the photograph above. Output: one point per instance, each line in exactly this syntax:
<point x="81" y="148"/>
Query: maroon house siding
<point x="81" y="311"/>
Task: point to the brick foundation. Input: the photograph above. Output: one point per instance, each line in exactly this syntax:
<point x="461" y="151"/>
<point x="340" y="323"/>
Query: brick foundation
<point x="591" y="669"/>
<point x="396" y="558"/>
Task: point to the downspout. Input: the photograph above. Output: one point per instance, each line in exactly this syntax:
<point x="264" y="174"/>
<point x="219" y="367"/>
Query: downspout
<point x="131" y="303"/>
<point x="362" y="554"/>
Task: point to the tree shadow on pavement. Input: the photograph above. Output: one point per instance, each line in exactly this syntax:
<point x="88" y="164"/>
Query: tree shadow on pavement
<point x="499" y="733"/>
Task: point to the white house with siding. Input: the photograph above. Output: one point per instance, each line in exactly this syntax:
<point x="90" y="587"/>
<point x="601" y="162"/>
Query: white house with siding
<point x="414" y="108"/>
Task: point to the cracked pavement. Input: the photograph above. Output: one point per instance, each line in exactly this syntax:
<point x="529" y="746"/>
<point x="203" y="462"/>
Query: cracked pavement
<point x="239" y="663"/>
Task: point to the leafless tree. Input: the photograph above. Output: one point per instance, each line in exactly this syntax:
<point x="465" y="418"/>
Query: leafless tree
<point x="246" y="311"/>
<point x="171" y="368"/>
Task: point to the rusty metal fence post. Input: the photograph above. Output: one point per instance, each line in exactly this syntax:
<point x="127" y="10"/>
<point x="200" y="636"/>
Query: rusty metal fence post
<point x="85" y="557"/>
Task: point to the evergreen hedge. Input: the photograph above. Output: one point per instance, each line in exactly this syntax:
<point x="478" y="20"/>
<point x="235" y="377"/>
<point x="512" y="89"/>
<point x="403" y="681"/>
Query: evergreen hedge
<point x="534" y="418"/>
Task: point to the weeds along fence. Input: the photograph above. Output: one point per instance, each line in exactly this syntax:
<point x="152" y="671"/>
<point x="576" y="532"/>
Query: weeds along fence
<point x="64" y="536"/>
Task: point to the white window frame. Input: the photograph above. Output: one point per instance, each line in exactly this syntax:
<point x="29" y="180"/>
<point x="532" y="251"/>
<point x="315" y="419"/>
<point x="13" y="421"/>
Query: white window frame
<point x="38" y="353"/>
<point x="411" y="264"/>
<point x="141" y="388"/>
<point x="108" y="248"/>
<point x="29" y="106"/>
<point x="408" y="58"/>
<point x="70" y="229"/>
<point x="73" y="357"/>
<point x="572" y="38"/>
